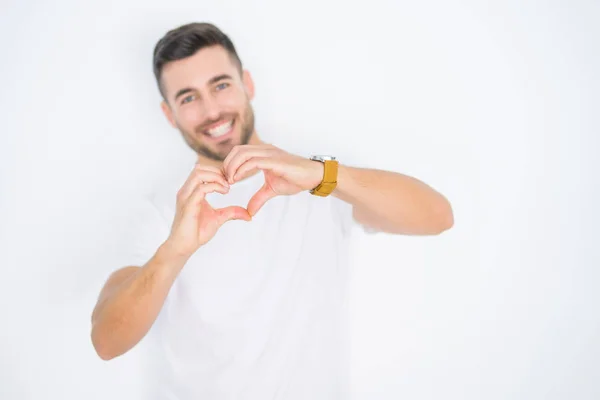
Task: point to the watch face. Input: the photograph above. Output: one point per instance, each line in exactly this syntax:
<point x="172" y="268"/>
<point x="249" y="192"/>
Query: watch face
<point x="322" y="158"/>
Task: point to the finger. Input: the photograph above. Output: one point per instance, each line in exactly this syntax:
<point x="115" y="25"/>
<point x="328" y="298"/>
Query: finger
<point x="237" y="149"/>
<point x="232" y="213"/>
<point x="241" y="156"/>
<point x="244" y="147"/>
<point x="211" y="176"/>
<point x="231" y="154"/>
<point x="200" y="192"/>
<point x="267" y="162"/>
<point x="205" y="167"/>
<point x="201" y="168"/>
<point x="252" y="164"/>
<point x="188" y="187"/>
<point x="199" y="177"/>
<point x="264" y="194"/>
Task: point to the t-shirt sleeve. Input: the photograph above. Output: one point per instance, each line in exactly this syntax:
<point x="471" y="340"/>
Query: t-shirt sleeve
<point x="146" y="229"/>
<point x="344" y="216"/>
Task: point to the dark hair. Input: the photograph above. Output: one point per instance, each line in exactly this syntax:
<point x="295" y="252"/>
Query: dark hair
<point x="185" y="41"/>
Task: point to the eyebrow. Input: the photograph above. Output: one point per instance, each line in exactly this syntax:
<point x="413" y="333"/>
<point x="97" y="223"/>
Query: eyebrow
<point x="212" y="81"/>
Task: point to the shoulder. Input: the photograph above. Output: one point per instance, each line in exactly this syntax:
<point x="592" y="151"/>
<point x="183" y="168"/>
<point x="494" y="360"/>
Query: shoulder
<point x="163" y="194"/>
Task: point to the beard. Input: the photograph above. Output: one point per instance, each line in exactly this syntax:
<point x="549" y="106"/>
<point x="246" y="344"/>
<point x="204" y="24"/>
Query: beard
<point x="247" y="129"/>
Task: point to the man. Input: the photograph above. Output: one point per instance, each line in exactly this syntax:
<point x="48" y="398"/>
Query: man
<point x="240" y="268"/>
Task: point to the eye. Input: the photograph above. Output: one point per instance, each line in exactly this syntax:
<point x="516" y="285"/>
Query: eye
<point x="187" y="99"/>
<point x="222" y="86"/>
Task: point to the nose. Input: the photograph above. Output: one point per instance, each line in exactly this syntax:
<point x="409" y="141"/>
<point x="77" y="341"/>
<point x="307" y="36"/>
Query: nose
<point x="211" y="109"/>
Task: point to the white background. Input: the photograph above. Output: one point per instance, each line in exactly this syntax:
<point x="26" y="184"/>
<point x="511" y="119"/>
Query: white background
<point x="494" y="104"/>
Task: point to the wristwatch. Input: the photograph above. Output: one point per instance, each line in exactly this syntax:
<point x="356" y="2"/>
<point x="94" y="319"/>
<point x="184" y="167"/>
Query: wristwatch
<point x="330" y="174"/>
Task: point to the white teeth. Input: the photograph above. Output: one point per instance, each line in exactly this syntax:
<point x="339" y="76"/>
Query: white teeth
<point x="220" y="130"/>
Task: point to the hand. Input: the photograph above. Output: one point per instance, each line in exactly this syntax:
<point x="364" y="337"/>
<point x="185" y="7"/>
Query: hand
<point x="196" y="222"/>
<point x="285" y="173"/>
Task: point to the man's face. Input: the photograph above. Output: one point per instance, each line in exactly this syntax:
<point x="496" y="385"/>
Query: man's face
<point x="209" y="102"/>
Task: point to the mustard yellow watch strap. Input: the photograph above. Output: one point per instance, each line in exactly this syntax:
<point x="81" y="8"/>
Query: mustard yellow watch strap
<point x="329" y="181"/>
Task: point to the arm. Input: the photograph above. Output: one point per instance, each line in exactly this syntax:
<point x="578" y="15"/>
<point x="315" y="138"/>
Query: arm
<point x="130" y="302"/>
<point x="132" y="297"/>
<point x="392" y="202"/>
<point x="382" y="200"/>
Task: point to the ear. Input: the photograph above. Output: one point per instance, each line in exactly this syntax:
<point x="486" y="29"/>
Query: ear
<point x="168" y="113"/>
<point x="248" y="84"/>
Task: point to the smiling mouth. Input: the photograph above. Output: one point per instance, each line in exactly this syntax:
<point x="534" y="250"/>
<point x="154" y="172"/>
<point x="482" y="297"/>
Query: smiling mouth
<point x="220" y="130"/>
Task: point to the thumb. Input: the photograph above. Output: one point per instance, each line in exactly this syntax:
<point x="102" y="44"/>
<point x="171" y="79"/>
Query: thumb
<point x="231" y="213"/>
<point x="264" y="194"/>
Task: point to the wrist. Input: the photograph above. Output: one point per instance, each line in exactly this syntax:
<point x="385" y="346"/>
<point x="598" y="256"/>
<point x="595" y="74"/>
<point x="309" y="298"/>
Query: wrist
<point x="316" y="174"/>
<point x="344" y="186"/>
<point x="171" y="255"/>
<point x="327" y="170"/>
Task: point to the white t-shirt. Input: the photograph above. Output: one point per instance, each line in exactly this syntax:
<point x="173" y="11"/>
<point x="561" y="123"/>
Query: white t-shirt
<point x="260" y="311"/>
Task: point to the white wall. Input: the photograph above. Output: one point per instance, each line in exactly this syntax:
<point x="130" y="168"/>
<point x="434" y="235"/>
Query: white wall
<point x="496" y="105"/>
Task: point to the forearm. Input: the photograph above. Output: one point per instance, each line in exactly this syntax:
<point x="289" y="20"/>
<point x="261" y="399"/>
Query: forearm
<point x="393" y="202"/>
<point x="126" y="313"/>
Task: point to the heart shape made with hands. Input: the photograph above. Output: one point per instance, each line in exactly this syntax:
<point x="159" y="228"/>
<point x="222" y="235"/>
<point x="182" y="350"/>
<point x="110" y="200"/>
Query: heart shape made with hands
<point x="242" y="196"/>
<point x="284" y="173"/>
<point x="254" y="201"/>
<point x="271" y="187"/>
